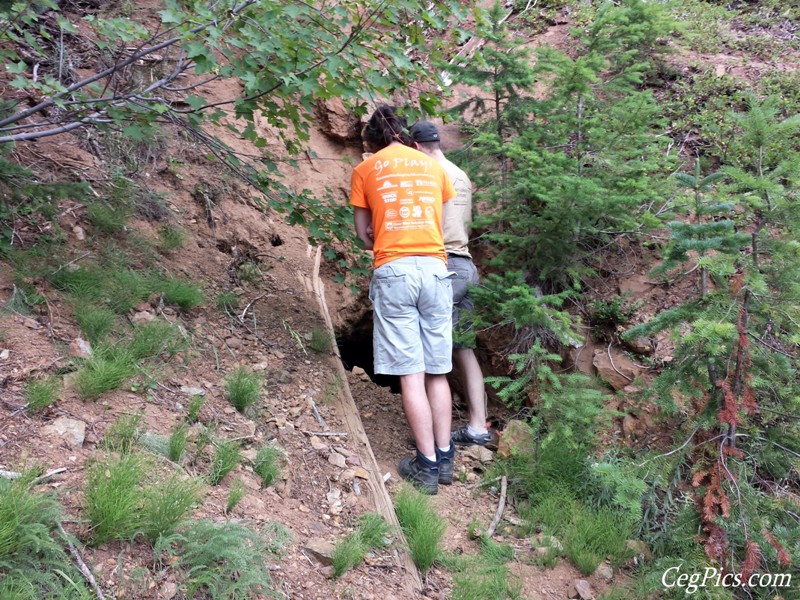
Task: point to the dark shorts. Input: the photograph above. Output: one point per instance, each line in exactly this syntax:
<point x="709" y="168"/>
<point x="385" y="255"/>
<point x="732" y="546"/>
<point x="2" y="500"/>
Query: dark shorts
<point x="466" y="275"/>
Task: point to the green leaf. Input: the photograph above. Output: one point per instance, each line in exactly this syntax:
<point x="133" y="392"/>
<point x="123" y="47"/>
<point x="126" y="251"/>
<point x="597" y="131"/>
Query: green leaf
<point x="18" y="67"/>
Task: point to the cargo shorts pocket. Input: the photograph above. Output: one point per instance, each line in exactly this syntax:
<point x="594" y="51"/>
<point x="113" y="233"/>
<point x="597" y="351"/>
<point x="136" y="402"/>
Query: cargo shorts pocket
<point x="389" y="292"/>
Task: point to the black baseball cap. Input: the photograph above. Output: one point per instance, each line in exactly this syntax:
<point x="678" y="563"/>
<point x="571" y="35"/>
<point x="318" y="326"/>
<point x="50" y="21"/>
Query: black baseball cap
<point x="424" y="131"/>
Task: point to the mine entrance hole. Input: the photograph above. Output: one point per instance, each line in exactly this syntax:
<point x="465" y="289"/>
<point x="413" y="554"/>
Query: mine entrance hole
<point x="355" y="347"/>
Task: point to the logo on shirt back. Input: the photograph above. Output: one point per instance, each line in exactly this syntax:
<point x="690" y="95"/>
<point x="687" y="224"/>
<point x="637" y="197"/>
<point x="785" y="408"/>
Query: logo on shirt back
<point x="387" y="185"/>
<point x="406" y="184"/>
<point x="389" y="197"/>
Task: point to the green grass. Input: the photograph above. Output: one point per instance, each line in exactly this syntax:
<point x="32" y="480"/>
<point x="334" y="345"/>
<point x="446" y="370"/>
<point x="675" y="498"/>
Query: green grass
<point x="149" y="340"/>
<point x="423" y="528"/>
<point x="40" y="393"/>
<point x="227" y="301"/>
<point x="244" y="388"/>
<point x="180" y="293"/>
<point x="122" y="435"/>
<point x="84" y="283"/>
<point x="167" y="503"/>
<point x="321" y="341"/>
<point x="372" y="532"/>
<point x="33" y="562"/>
<point x="484" y="575"/>
<point x="594" y="535"/>
<point x="278" y="537"/>
<point x="107" y="219"/>
<point x="268" y="464"/>
<point x="96" y="322"/>
<point x="170" y="238"/>
<point x="225" y="560"/>
<point x="193" y="409"/>
<point x="103" y="372"/>
<point x="235" y="494"/>
<point x="178" y="440"/>
<point x="124" y="289"/>
<point x="226" y="459"/>
<point x="113" y="497"/>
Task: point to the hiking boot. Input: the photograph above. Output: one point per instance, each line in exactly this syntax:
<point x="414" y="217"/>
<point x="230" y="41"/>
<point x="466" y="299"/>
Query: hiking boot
<point x="462" y="437"/>
<point x="421" y="472"/>
<point x="446" y="460"/>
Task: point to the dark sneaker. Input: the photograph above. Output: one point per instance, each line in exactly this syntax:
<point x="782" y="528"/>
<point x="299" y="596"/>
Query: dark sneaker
<point x="446" y="465"/>
<point x="421" y="472"/>
<point x="462" y="437"/>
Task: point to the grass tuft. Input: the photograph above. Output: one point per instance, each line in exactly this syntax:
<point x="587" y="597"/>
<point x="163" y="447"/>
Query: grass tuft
<point x="178" y="440"/>
<point x="193" y="409"/>
<point x="154" y="338"/>
<point x="593" y="535"/>
<point x="180" y="293"/>
<point x="104" y="371"/>
<point x="122" y="435"/>
<point x="244" y="388"/>
<point x="167" y="503"/>
<point x="268" y="464"/>
<point x="422" y="526"/>
<point x="170" y="238"/>
<point x="227" y="301"/>
<point x="372" y="532"/>
<point x="113" y="497"/>
<point x="225" y="560"/>
<point x="235" y="494"/>
<point x="321" y="341"/>
<point x="95" y="322"/>
<point x="40" y="393"/>
<point x="226" y="459"/>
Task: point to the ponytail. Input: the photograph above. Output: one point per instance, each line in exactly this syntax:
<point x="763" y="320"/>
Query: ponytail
<point x="386" y="126"/>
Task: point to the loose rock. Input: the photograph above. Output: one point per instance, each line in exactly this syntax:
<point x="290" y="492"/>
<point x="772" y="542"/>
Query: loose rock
<point x="73" y="432"/>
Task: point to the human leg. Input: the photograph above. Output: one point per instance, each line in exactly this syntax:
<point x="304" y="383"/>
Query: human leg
<point x="419" y="413"/>
<point x="473" y="384"/>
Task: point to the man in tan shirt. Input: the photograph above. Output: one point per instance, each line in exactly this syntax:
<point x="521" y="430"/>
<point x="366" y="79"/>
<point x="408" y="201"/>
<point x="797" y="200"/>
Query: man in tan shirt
<point x="456" y="217"/>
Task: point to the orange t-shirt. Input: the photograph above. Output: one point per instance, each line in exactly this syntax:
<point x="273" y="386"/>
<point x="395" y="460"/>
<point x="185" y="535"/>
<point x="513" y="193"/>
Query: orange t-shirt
<point x="404" y="189"/>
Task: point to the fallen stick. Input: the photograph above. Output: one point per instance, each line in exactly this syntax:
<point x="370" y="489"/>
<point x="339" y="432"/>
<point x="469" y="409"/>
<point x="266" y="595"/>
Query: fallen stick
<point x="500" y="507"/>
<point x="318" y="416"/>
<point x="82" y="565"/>
<point x="325" y="433"/>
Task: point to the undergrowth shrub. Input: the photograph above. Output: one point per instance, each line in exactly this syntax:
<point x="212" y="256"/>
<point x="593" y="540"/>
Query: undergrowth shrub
<point x="235" y="495"/>
<point x="225" y="561"/>
<point x="485" y="575"/>
<point x="421" y="525"/>
<point x="33" y="561"/>
<point x="170" y="238"/>
<point x="149" y="340"/>
<point x="183" y="294"/>
<point x="104" y="371"/>
<point x="178" y="440"/>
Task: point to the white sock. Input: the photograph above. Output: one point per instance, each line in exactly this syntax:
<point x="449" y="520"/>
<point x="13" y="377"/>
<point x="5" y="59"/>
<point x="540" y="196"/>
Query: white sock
<point x="445" y="450"/>
<point x="432" y="458"/>
<point x="476" y="432"/>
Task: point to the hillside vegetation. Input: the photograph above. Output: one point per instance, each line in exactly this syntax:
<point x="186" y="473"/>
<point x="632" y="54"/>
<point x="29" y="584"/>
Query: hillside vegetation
<point x="157" y="159"/>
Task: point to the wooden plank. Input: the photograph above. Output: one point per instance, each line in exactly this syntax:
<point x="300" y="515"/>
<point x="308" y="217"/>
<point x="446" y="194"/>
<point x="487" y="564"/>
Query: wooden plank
<point x="378" y="494"/>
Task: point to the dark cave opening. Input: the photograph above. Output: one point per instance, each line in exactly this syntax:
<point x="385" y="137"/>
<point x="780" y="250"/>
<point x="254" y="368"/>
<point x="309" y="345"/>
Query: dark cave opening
<point x="355" y="348"/>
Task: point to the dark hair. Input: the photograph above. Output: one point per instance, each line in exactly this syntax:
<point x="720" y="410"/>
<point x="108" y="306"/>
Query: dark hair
<point x="386" y="126"/>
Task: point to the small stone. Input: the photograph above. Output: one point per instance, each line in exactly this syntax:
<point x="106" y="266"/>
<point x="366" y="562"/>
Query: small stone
<point x="360" y="373"/>
<point x="479" y="453"/>
<point x="262" y="366"/>
<point x="581" y="589"/>
<point x="278" y="355"/>
<point x="144" y="316"/>
<point x="361" y="472"/>
<point x="5" y="353"/>
<point x="233" y="342"/>
<point x="296" y="411"/>
<point x="31" y="323"/>
<point x="605" y="571"/>
<point x="347" y="475"/>
<point x="192" y="391"/>
<point x="337" y="460"/>
<point x="229" y="410"/>
<point x="79" y="348"/>
<point x="168" y="590"/>
<point x="79" y="233"/>
<point x="73" y="431"/>
<point x="284" y="377"/>
<point x="354" y="460"/>
<point x="317" y="444"/>
<point x="327" y="572"/>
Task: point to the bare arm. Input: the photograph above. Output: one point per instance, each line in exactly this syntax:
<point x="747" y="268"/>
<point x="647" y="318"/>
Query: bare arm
<point x="362" y="217"/>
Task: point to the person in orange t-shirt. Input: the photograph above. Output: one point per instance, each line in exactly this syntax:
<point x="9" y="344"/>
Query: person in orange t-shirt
<point x="398" y="193"/>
